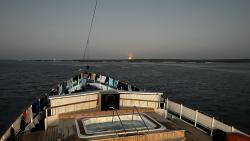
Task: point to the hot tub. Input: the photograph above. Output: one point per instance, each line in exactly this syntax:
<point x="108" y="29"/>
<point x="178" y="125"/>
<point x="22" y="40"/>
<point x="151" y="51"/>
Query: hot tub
<point x="114" y="125"/>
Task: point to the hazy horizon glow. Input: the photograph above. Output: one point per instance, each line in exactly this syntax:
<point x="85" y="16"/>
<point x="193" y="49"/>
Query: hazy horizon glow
<point x="190" y="29"/>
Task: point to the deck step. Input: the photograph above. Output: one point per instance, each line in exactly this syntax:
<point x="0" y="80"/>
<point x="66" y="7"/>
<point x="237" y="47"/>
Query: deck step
<point x="36" y="136"/>
<point x="66" y="128"/>
<point x="51" y="134"/>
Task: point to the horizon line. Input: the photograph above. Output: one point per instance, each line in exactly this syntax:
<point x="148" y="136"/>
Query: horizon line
<point x="137" y="60"/>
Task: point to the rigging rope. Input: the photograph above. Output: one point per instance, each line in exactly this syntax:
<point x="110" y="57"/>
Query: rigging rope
<point x="90" y="30"/>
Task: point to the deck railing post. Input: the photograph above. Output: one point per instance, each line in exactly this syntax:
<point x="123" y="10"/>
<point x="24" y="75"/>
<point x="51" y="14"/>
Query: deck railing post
<point x="46" y="119"/>
<point x="196" y="117"/>
<point x="181" y="111"/>
<point x="212" y="126"/>
<point x="167" y="103"/>
<point x="159" y="101"/>
<point x="232" y="128"/>
<point x="166" y="109"/>
<point x="31" y="115"/>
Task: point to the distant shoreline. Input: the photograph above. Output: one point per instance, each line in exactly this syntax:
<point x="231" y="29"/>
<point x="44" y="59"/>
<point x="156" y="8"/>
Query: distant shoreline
<point x="158" y="60"/>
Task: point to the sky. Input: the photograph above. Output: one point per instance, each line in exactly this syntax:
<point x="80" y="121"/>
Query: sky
<point x="160" y="29"/>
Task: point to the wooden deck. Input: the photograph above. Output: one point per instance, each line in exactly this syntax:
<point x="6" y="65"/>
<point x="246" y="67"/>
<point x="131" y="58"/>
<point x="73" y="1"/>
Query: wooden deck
<point x="191" y="134"/>
<point x="66" y="128"/>
<point x="51" y="134"/>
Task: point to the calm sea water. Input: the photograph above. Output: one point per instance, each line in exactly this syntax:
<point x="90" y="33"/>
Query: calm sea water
<point x="221" y="90"/>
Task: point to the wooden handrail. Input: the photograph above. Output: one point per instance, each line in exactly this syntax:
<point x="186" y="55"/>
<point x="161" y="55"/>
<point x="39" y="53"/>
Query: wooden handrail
<point x="95" y="100"/>
<point x="49" y="108"/>
<point x="139" y="99"/>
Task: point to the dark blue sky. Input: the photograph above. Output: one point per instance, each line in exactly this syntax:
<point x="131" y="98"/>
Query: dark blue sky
<point x="196" y="29"/>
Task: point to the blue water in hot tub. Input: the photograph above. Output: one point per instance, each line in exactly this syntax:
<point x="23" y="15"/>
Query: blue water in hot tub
<point x="116" y="126"/>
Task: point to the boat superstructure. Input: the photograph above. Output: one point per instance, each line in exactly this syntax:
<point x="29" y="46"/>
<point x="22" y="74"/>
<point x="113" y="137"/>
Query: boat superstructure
<point x="91" y="106"/>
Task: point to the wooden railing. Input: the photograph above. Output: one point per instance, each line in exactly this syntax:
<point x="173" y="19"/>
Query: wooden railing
<point x="139" y="103"/>
<point x="196" y="118"/>
<point x="72" y="103"/>
<point x="16" y="125"/>
<point x="72" y="107"/>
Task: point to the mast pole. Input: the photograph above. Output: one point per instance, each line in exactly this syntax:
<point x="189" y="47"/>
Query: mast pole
<point x="90" y="30"/>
